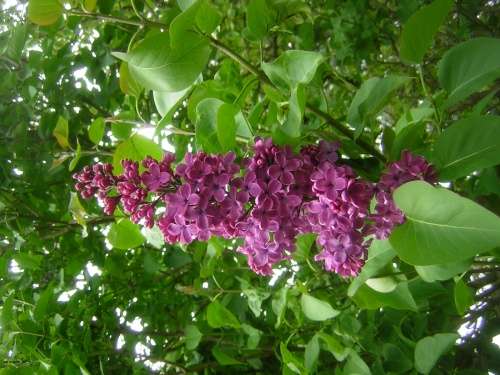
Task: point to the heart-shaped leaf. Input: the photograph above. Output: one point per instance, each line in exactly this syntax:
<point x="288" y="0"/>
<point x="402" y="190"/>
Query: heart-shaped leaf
<point x="468" y="67"/>
<point x="441" y="226"/>
<point x="470" y="144"/>
<point x="157" y="66"/>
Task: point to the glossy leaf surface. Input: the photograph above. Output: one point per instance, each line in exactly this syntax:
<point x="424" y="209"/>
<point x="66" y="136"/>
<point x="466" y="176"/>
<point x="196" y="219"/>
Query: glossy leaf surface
<point x="441" y="226"/>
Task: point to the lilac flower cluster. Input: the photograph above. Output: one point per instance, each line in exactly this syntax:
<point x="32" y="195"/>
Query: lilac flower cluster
<point x="278" y="195"/>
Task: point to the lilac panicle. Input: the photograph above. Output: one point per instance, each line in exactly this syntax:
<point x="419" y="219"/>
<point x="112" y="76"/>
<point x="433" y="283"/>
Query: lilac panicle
<point x="275" y="197"/>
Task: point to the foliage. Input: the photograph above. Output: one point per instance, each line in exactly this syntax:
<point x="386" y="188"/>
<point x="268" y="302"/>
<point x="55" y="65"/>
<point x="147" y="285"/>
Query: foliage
<point x="101" y="81"/>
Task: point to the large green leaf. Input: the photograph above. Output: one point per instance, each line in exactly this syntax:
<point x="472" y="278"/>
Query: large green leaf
<point x="443" y="271"/>
<point x="223" y="358"/>
<point x="135" y="148"/>
<point x="219" y="316"/>
<point x="468" y="67"/>
<point x="399" y="298"/>
<point x="395" y="359"/>
<point x="44" y="12"/>
<point x="463" y="297"/>
<point x="316" y="309"/>
<point x="43" y="302"/>
<point x="429" y="349"/>
<point x="207" y="18"/>
<point x="441" y="226"/>
<point x="370" y="99"/>
<point x="125" y="235"/>
<point x="193" y="336"/>
<point x="256" y="17"/>
<point x="419" y="30"/>
<point x="96" y="130"/>
<point x="311" y="354"/>
<point x="158" y="66"/>
<point x="470" y="144"/>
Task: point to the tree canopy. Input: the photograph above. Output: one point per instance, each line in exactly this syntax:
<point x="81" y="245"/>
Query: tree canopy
<point x="285" y="186"/>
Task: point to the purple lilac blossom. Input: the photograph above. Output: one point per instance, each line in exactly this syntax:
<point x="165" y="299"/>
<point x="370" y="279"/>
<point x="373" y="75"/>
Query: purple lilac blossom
<point x="277" y="196"/>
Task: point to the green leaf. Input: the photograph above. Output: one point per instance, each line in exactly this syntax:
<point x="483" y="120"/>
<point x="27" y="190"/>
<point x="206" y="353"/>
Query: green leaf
<point x="123" y="130"/>
<point x="96" y="130"/>
<point x="206" y="125"/>
<point x="61" y="132"/>
<point x="256" y="17"/>
<point x="115" y="263"/>
<point x="384" y="284"/>
<point x="316" y="309"/>
<point x="167" y="102"/>
<point x="311" y="354"/>
<point x="376" y="94"/>
<point x="26" y="261"/>
<point x="429" y="349"/>
<point x="255" y="299"/>
<point x="253" y="336"/>
<point x="380" y="253"/>
<point x="395" y="359"/>
<point x="296" y="107"/>
<point x="151" y="264"/>
<point x="89" y="5"/>
<point x="218" y="316"/>
<point x="354" y="118"/>
<point x="183" y="24"/>
<point x="293" y="67"/>
<point x="443" y="271"/>
<point x="279" y="303"/>
<point x="7" y="311"/>
<point x="419" y="31"/>
<point x="356" y="365"/>
<point x="441" y="226"/>
<point x="468" y="67"/>
<point x="17" y="41"/>
<point x="470" y="144"/>
<point x="154" y="237"/>
<point x="409" y="138"/>
<point x="289" y="359"/>
<point x="400" y="298"/>
<point x="463" y="297"/>
<point x="135" y="148"/>
<point x="223" y="358"/>
<point x="226" y="126"/>
<point x="193" y="336"/>
<point x="339" y="352"/>
<point x="207" y="18"/>
<point x="159" y="67"/>
<point x="44" y="12"/>
<point x="128" y="84"/>
<point x="125" y="235"/>
<point x="78" y="155"/>
<point x="185" y="4"/>
<point x="304" y="244"/>
<point x="43" y="302"/>
<point x="75" y="206"/>
<point x="413" y="116"/>
<point x="289" y="73"/>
